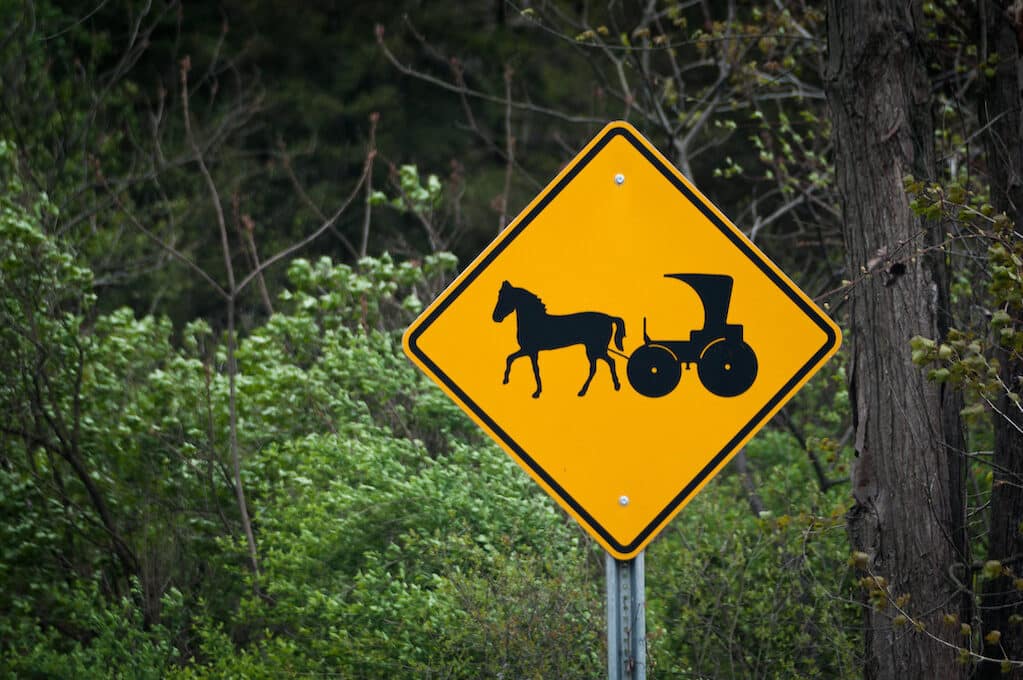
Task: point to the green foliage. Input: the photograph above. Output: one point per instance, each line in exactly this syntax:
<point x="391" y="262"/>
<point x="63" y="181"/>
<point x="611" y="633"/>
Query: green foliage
<point x="376" y="551"/>
<point x="971" y="355"/>
<point x="44" y="294"/>
<point x="32" y="264"/>
<point x="733" y="595"/>
<point x="412" y="194"/>
<point x="367" y="536"/>
<point x="117" y="640"/>
<point x="393" y="540"/>
<point x="980" y="356"/>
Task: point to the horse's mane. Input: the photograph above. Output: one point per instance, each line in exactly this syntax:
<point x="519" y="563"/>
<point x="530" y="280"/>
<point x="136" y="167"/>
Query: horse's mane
<point x="531" y="299"/>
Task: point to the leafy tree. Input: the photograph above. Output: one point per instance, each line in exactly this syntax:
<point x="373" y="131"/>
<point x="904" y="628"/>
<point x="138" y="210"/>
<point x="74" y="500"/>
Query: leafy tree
<point x="1000" y="114"/>
<point x="165" y="149"/>
<point x="737" y="595"/>
<point x="46" y="296"/>
<point x="972" y="59"/>
<point x="908" y="481"/>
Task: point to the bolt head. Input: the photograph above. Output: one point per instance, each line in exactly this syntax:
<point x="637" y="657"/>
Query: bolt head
<point x="623" y="500"/>
<point x="619" y="179"/>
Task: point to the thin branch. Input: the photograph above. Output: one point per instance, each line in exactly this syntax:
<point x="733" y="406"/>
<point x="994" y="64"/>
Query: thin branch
<point x="509" y="138"/>
<point x="311" y="204"/>
<point x="756" y="503"/>
<point x="246" y="227"/>
<point x="409" y="71"/>
<point x="759" y="224"/>
<point x="174" y="252"/>
<point x="371" y="152"/>
<point x="232" y="367"/>
<point x="308" y="239"/>
<point x="667" y="46"/>
<point x="458" y="73"/>
<point x="200" y="160"/>
<point x="431" y="232"/>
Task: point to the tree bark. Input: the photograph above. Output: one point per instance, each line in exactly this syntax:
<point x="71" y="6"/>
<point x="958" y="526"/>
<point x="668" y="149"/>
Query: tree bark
<point x="999" y="112"/>
<point x="907" y="516"/>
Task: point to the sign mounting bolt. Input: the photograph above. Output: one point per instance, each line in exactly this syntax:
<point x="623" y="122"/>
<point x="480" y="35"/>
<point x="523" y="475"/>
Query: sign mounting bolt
<point x="623" y="501"/>
<point x="619" y="179"/>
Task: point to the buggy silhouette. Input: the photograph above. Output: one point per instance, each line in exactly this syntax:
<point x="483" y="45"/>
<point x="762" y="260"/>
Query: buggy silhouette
<point x="726" y="365"/>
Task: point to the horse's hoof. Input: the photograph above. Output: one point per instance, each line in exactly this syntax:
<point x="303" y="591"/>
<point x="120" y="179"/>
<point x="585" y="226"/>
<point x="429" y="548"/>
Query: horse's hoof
<point x="617" y="387"/>
<point x="536" y="395"/>
<point x="505" y="381"/>
<point x="582" y="393"/>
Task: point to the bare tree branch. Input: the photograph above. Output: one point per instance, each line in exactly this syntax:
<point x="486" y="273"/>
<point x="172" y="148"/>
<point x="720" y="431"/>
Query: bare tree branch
<point x="371" y="152"/>
<point x="409" y="71"/>
<point x="308" y="239"/>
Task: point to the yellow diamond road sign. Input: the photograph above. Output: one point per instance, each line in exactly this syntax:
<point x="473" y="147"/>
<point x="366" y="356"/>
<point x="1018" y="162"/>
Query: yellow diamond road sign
<point x="621" y="340"/>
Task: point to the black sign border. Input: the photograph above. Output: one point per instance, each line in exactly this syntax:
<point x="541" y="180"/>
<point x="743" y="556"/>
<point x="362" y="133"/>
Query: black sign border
<point x="516" y="229"/>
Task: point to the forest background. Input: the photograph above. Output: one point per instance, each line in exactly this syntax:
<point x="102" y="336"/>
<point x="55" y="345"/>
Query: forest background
<point x="217" y="218"/>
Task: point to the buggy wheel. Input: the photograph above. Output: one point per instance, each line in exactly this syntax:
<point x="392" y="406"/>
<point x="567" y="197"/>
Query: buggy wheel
<point x="653" y="371"/>
<point x="727" y="368"/>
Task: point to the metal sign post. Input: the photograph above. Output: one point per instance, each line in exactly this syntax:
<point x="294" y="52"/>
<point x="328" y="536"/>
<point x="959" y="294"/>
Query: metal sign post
<point x="626" y="618"/>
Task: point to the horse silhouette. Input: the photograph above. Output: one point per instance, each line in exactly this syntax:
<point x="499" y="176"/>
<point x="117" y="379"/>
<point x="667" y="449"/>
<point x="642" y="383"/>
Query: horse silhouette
<point x="537" y="330"/>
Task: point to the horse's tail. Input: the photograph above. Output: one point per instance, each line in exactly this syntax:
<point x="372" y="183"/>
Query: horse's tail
<point x="620" y="334"/>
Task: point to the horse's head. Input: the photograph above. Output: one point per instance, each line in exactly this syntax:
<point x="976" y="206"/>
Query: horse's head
<point x="505" y="302"/>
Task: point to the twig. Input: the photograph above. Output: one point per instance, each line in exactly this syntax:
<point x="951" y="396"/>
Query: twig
<point x="246" y="228"/>
<point x="200" y="160"/>
<point x="371" y="152"/>
<point x="304" y="197"/>
<point x="436" y="243"/>
<point x="756" y="503"/>
<point x="174" y="252"/>
<point x="308" y="239"/>
<point x="509" y="149"/>
<point x="232" y="367"/>
<point x="409" y="71"/>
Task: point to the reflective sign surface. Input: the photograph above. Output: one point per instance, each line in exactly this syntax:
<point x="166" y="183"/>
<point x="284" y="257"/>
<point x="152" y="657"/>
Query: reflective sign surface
<point x="621" y="339"/>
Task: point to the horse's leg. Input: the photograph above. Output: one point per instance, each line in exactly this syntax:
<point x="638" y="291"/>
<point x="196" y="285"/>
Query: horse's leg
<point x="507" y="367"/>
<point x="536" y="373"/>
<point x="614" y="373"/>
<point x="593" y="370"/>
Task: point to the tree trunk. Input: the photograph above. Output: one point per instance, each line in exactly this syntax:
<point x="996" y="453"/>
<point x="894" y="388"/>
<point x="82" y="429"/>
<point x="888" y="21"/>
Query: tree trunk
<point x="907" y="480"/>
<point x="1000" y="118"/>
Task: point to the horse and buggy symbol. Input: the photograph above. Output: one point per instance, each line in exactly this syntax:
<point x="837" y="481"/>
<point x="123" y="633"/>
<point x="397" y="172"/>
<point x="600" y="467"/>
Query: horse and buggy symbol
<point x="725" y="363"/>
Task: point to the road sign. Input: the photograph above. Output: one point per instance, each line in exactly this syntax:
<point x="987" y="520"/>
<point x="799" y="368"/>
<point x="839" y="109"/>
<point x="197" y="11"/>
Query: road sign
<point x="621" y="340"/>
